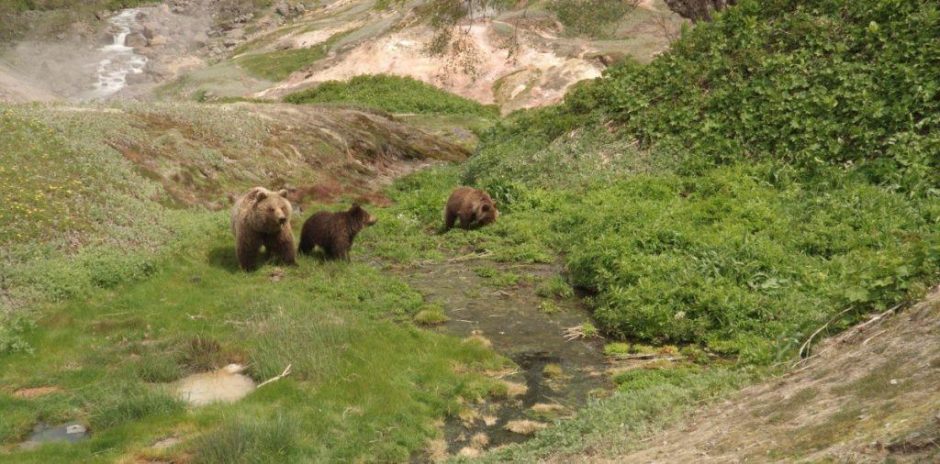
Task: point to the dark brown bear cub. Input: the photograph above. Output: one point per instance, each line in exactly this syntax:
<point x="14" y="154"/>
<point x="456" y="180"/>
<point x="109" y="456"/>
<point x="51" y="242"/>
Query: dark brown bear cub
<point x="473" y="207"/>
<point x="334" y="232"/>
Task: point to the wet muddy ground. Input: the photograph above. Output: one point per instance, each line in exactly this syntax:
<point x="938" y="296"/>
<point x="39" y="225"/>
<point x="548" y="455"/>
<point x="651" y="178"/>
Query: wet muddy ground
<point x="558" y="375"/>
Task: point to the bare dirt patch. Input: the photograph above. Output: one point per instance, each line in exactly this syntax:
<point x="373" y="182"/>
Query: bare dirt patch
<point x="36" y="392"/>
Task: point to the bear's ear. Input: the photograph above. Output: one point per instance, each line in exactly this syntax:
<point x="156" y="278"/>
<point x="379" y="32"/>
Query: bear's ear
<point x="485" y="208"/>
<point x="282" y="192"/>
<point x="261" y="195"/>
<point x="355" y="207"/>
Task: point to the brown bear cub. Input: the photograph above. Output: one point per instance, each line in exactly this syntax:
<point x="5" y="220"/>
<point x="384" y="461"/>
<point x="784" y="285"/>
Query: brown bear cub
<point x="262" y="218"/>
<point x="334" y="232"/>
<point x="473" y="207"/>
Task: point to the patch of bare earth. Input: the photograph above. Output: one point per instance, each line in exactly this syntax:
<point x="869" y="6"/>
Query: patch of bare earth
<point x="871" y="394"/>
<point x="36" y="392"/>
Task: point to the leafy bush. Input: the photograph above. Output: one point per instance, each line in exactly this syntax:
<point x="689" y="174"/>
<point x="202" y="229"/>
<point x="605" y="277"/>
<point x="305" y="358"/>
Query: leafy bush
<point x="808" y="83"/>
<point x="777" y="166"/>
<point x="13" y="327"/>
<point x="591" y="17"/>
<point x="392" y="93"/>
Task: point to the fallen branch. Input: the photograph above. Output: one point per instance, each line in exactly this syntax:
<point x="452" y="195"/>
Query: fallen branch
<point x="809" y="340"/>
<point x="279" y="377"/>
<point x="877" y="318"/>
<point x="873" y="336"/>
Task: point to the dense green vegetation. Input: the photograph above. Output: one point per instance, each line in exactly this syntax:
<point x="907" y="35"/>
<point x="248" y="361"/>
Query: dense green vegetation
<point x="754" y="186"/>
<point x="775" y="170"/>
<point x="277" y="66"/>
<point x="592" y="18"/>
<point x="395" y="94"/>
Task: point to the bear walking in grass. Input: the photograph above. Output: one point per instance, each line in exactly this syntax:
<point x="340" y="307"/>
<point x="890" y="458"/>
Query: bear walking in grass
<point x="473" y="207"/>
<point x="262" y="218"/>
<point x="334" y="232"/>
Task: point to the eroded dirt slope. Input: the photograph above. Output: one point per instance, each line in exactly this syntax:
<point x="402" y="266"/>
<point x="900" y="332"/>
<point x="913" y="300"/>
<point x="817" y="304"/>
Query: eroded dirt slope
<point x="870" y="394"/>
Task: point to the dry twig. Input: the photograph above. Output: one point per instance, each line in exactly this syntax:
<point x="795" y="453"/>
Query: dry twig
<point x="279" y="377"/>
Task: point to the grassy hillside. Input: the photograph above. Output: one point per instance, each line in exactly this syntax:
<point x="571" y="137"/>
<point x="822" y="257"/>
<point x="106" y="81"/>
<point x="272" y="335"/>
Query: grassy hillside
<point x="394" y="94"/>
<point x="93" y="195"/>
<point x="774" y="173"/>
<point x="736" y="194"/>
<point x="119" y="279"/>
<point x="753" y="187"/>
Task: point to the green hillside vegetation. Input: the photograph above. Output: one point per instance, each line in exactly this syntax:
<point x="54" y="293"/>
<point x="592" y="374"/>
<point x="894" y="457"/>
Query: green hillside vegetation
<point x="762" y="185"/>
<point x="144" y="290"/>
<point x="395" y="94"/>
<point x="777" y="169"/>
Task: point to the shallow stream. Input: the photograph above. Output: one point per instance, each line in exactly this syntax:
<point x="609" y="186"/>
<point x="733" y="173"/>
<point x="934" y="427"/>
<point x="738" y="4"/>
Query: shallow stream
<point x="513" y="321"/>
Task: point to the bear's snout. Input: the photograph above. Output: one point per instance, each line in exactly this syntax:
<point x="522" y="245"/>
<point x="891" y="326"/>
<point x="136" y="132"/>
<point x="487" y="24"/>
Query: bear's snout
<point x="282" y="220"/>
<point x="372" y="220"/>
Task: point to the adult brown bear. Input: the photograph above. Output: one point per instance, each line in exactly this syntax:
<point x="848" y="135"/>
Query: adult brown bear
<point x="473" y="207"/>
<point x="334" y="232"/>
<point x="262" y="218"/>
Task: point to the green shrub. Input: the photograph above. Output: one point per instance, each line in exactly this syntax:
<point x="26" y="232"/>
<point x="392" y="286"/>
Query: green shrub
<point x="554" y="287"/>
<point x="431" y="314"/>
<point x="593" y="18"/>
<point x="13" y="328"/>
<point x="807" y="83"/>
<point x="394" y="94"/>
<point x="746" y="186"/>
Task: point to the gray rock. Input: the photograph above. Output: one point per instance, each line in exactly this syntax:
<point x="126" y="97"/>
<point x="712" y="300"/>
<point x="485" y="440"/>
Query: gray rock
<point x="135" y="40"/>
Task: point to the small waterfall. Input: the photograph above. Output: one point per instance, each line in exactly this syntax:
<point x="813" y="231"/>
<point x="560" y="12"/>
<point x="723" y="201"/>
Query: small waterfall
<point x="119" y="59"/>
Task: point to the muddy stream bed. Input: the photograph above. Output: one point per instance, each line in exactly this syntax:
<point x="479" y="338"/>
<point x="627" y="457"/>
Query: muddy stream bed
<point x="513" y="321"/>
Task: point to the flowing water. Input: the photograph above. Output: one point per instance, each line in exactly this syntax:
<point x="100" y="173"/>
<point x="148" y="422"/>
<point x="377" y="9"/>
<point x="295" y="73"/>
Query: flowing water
<point x="119" y="60"/>
<point x="511" y="319"/>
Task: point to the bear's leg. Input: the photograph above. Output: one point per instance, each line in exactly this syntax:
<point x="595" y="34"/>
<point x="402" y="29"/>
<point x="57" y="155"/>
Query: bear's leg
<point x="306" y="242"/>
<point x="246" y="250"/>
<point x="282" y="246"/>
<point x="466" y="221"/>
<point x="449" y="218"/>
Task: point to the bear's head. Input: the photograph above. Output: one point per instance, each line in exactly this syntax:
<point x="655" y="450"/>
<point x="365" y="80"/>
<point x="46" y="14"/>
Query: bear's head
<point x="485" y="211"/>
<point x="271" y="210"/>
<point x="361" y="217"/>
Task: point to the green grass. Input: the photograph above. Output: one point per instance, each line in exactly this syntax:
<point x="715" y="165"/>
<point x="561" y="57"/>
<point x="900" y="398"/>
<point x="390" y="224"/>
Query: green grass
<point x="592" y="18"/>
<point x="394" y="94"/>
<point x="277" y="66"/>
<point x="431" y="314"/>
<point x="334" y="322"/>
<point x="645" y="401"/>
<point x="247" y="441"/>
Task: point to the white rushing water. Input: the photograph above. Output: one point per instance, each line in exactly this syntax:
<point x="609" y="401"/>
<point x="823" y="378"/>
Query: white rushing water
<point x="119" y="60"/>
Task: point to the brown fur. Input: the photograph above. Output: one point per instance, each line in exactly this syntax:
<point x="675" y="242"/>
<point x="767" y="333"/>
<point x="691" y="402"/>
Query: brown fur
<point x="473" y="207"/>
<point x="334" y="232"/>
<point x="262" y="218"/>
